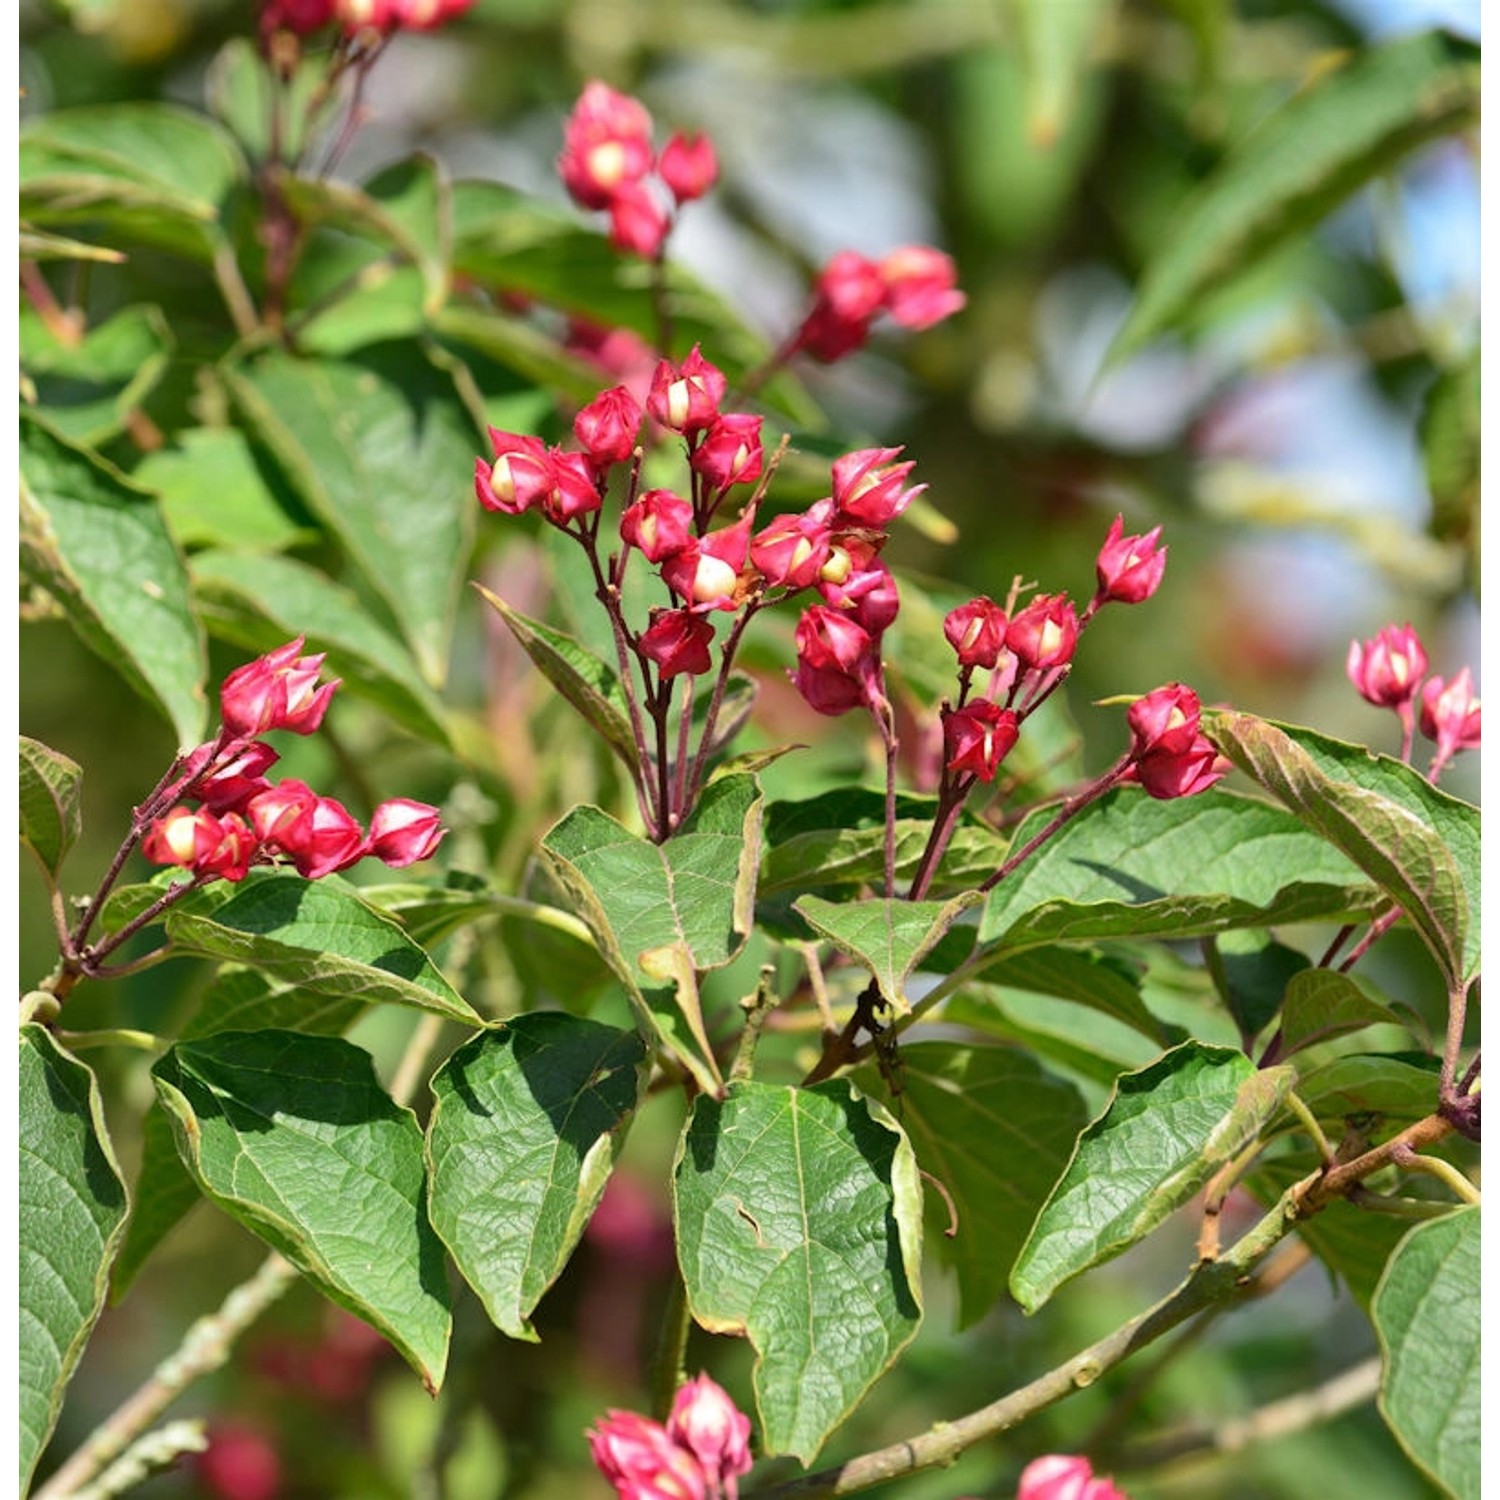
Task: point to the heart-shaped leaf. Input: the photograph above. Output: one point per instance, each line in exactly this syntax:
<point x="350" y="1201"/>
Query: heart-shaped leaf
<point x="799" y="1225"/>
<point x="523" y="1135"/>
<point x="293" y="1136"/>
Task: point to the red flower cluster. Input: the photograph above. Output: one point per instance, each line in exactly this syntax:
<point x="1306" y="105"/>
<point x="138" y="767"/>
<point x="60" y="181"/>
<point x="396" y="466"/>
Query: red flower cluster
<point x="307" y="16"/>
<point x="242" y="819"/>
<point x="698" y="1455"/>
<point x="1388" y="671"/>
<point x="915" y="286"/>
<point x="607" y="162"/>
<point x="1170" y="755"/>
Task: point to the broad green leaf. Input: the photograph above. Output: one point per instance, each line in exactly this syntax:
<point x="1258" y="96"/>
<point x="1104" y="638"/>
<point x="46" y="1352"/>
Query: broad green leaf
<point x="1426" y="1311"/>
<point x="1168" y="1128"/>
<point x="51" y="814"/>
<point x="1418" y="844"/>
<point x="1342" y="130"/>
<point x="1132" y="866"/>
<point x="98" y="545"/>
<point x="214" y="493"/>
<point x="1373" y="1086"/>
<point x="996" y="1130"/>
<point x="37" y="244"/>
<point x="237" y="1000"/>
<point x="525" y="1126"/>
<point x="238" y="89"/>
<point x="589" y="684"/>
<point x="88" y="390"/>
<point x="660" y="911"/>
<point x="1322" y="1003"/>
<point x="1257" y="970"/>
<point x="258" y="602"/>
<point x="799" y="1226"/>
<point x="72" y="1208"/>
<point x="838" y="838"/>
<point x="1057" y="44"/>
<point x="349" y="297"/>
<point x="293" y="1136"/>
<point x="381" y="450"/>
<point x="890" y="938"/>
<point x="1084" y="976"/>
<point x="326" y="940"/>
<point x="150" y="172"/>
<point x="519" y="346"/>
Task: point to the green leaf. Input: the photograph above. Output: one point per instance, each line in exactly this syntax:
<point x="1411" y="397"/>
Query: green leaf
<point x="238" y="89"/>
<point x="37" y="244"/>
<point x="1132" y="866"/>
<point x="97" y="544"/>
<point x="1450" y="435"/>
<point x="996" y="1130"/>
<point x="1426" y="1311"/>
<point x="237" y="1000"/>
<point x="51" y="812"/>
<point x="1057" y="45"/>
<point x="1338" y="133"/>
<point x="1321" y="1004"/>
<point x="1418" y="844"/>
<point x="247" y="510"/>
<point x="293" y="1136"/>
<point x="589" y="684"/>
<point x="88" y="390"/>
<point x="889" y="937"/>
<point x="1376" y="1085"/>
<point x="326" y="940"/>
<point x="659" y="912"/>
<point x="258" y="602"/>
<point x="72" y="1208"/>
<point x="1168" y="1128"/>
<point x="151" y="172"/>
<point x="799" y="1225"/>
<point x="838" y="838"/>
<point x="1257" y="970"/>
<point x="524" y="1130"/>
<point x="519" y="346"/>
<point x="381" y="450"/>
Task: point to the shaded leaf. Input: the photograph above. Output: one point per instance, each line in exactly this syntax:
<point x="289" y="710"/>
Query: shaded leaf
<point x="889" y="937"/>
<point x="238" y="90"/>
<point x="1426" y="1311"/>
<point x="38" y="245"/>
<point x="98" y="545"/>
<point x="799" y="1225"/>
<point x="996" y="1130"/>
<point x="1131" y="866"/>
<point x="51" y="812"/>
<point x="1350" y="125"/>
<point x="71" y="1210"/>
<point x="163" y="1194"/>
<point x="1394" y="1087"/>
<point x="381" y="449"/>
<point x="1168" y="1128"/>
<point x="519" y="346"/>
<point x="326" y="940"/>
<point x="1322" y="1003"/>
<point x="293" y="1136"/>
<point x="1418" y="844"/>
<point x="524" y="1130"/>
<point x="1257" y="970"/>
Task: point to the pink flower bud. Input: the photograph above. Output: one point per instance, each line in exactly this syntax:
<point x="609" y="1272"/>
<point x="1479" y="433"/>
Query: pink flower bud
<point x="677" y="640"/>
<point x="920" y="286"/>
<point x="638" y="224"/>
<point x="607" y="427"/>
<point x="636" y="1455"/>
<point x="846" y="296"/>
<point x="276" y="691"/>
<point x="606" y="146"/>
<point x="520" y="477"/>
<point x="1044" y="633"/>
<point x="688" y="166"/>
<point x="576" y="491"/>
<point x="730" y="453"/>
<point x="867" y="486"/>
<point x="1179" y="773"/>
<point x="978" y="736"/>
<point x="234" y="776"/>
<point x="659" y="523"/>
<point x="1130" y="568"/>
<point x="714" y="1430"/>
<point x="828" y="638"/>
<point x="1450" y="714"/>
<point x="686" y="398"/>
<point x="976" y="631"/>
<point x="181" y="837"/>
<point x="707" y="573"/>
<point x="1061" y="1476"/>
<point x="403" y="831"/>
<point x="318" y="834"/>
<point x="359" y="15"/>
<point x="240" y="1463"/>
<point x="1385" y="671"/>
<point x="792" y="551"/>
<point x="300" y="16"/>
<point x="867" y="594"/>
<point x="426" y="15"/>
<point x="1164" y="722"/>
